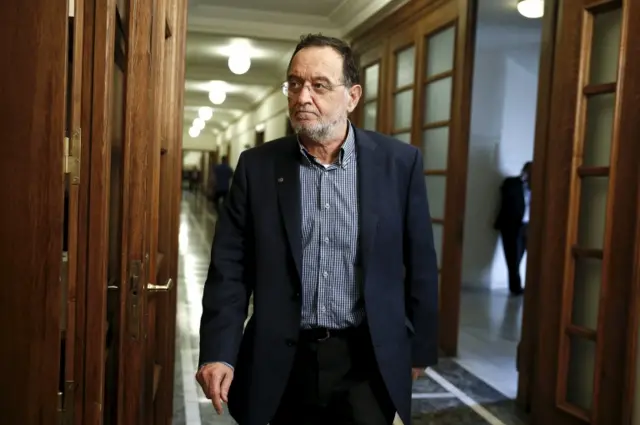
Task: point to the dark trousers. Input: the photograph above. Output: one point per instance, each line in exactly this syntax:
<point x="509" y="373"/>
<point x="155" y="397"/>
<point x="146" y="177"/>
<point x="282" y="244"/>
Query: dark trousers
<point x="335" y="381"/>
<point x="514" y="243"/>
<point x="218" y="197"/>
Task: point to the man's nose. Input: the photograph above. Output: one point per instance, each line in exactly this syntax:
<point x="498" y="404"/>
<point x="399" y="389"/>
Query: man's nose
<point x="305" y="95"/>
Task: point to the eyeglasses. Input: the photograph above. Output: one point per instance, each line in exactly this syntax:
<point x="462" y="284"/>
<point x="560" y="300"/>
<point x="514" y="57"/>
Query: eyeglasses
<point x="293" y="88"/>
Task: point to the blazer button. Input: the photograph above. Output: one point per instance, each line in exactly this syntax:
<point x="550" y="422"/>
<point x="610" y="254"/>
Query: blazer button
<point x="290" y="342"/>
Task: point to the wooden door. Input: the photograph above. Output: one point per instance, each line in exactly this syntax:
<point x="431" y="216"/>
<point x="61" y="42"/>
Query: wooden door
<point x="164" y="151"/>
<point x="422" y="58"/>
<point x="71" y="351"/>
<point x="134" y="243"/>
<point x="441" y="128"/>
<point x="33" y="79"/>
<point x="590" y="208"/>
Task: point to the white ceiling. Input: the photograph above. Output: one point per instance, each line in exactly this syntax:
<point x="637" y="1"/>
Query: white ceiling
<point x="270" y="29"/>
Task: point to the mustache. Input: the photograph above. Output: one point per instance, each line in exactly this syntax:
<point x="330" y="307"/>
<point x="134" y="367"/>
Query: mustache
<point x="304" y="111"/>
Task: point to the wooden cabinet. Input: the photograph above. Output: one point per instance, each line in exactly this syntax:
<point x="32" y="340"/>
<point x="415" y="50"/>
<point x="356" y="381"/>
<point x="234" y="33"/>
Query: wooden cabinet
<point x="91" y="117"/>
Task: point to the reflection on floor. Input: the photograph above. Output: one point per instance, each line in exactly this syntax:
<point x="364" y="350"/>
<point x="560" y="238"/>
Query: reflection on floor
<point x="449" y="393"/>
<point x="490" y="323"/>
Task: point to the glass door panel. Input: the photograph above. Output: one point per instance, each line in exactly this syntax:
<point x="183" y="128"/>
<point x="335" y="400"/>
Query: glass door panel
<point x="371" y="89"/>
<point x="436" y="82"/>
<point x="403" y="90"/>
<point x="583" y="272"/>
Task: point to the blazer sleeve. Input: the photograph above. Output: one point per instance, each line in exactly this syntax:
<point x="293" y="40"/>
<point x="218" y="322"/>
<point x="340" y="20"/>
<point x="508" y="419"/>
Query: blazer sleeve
<point x="226" y="294"/>
<point x="421" y="270"/>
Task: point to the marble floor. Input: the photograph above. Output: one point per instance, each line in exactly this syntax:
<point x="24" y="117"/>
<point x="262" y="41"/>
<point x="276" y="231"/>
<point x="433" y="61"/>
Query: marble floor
<point x="475" y="389"/>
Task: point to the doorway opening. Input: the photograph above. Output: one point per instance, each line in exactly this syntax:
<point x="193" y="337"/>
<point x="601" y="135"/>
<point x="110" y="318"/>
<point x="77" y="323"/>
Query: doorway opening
<point x="502" y="132"/>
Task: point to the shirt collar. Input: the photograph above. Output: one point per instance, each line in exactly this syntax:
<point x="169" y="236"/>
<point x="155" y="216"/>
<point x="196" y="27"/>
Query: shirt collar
<point x="346" y="150"/>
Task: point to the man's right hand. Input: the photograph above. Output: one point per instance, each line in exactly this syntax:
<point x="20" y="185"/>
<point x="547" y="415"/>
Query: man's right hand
<point x="215" y="380"/>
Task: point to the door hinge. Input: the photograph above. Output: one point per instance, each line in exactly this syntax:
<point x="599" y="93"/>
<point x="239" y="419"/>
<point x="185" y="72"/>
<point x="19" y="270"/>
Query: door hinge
<point x="134" y="298"/>
<point x="72" y="151"/>
<point x="66" y="404"/>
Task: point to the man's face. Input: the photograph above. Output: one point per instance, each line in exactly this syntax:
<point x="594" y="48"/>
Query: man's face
<point x="319" y="102"/>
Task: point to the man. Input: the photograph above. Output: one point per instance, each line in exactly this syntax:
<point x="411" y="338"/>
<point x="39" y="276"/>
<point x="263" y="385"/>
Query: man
<point x="330" y="231"/>
<point x="222" y="174"/>
<point x="512" y="222"/>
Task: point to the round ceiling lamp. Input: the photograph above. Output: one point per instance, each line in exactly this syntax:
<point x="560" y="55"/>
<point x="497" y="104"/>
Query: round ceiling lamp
<point x="194" y="132"/>
<point x="217" y="97"/>
<point x="198" y="123"/>
<point x="239" y="63"/>
<point x="532" y="9"/>
<point x="205" y="113"/>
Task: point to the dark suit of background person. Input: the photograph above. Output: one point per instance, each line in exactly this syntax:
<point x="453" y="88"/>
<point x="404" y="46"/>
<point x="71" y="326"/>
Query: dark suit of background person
<point x="289" y="227"/>
<point x="512" y="222"/>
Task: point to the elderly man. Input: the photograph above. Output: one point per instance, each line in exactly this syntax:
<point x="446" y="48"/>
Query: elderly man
<point x="330" y="231"/>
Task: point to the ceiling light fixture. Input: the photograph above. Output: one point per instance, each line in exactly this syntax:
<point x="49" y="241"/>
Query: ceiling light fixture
<point x="239" y="63"/>
<point x="205" y="113"/>
<point x="217" y="96"/>
<point x="532" y="9"/>
<point x="194" y="132"/>
<point x="198" y="123"/>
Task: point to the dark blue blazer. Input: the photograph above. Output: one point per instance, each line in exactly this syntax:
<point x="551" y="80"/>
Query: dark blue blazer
<point x="257" y="249"/>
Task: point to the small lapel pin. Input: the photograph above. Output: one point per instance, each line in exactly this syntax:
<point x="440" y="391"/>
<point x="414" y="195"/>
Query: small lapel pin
<point x="280" y="180"/>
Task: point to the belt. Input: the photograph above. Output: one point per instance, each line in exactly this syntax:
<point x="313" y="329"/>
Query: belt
<point x="323" y="334"/>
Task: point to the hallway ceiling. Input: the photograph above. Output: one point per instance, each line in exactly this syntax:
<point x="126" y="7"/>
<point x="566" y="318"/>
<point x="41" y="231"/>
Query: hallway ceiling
<point x="269" y="30"/>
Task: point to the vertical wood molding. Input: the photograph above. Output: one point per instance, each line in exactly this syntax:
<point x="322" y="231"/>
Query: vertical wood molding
<point x="526" y="359"/>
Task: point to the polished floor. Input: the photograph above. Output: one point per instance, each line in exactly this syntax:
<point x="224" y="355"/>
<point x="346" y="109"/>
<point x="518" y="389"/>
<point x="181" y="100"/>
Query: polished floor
<point x="475" y="389"/>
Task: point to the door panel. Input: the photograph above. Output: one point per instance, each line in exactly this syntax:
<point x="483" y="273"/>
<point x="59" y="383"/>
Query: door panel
<point x="372" y="77"/>
<point x="582" y="344"/>
<point x="426" y="69"/>
<point x="403" y="71"/>
<point x="72" y="158"/>
<point x="441" y="130"/>
<point x="34" y="40"/>
<point x="133" y="390"/>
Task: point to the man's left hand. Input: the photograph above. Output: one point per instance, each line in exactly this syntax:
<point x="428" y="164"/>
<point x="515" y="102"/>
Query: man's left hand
<point x="416" y="372"/>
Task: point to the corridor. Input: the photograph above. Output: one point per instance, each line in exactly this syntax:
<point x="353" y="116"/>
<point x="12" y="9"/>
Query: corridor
<point x="448" y="394"/>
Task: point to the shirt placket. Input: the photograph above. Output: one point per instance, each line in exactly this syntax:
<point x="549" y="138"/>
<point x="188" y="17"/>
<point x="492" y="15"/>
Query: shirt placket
<point x="324" y="251"/>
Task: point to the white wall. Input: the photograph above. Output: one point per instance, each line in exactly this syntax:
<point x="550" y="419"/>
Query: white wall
<point x="206" y="141"/>
<point x="272" y="112"/>
<point x="502" y="133"/>
<point x="192" y="159"/>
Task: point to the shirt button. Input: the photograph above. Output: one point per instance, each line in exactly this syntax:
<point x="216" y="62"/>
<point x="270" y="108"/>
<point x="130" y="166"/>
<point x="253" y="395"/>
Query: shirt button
<point x="326" y="205"/>
<point x="325" y="274"/>
<point x="326" y="240"/>
<point x="290" y="342"/>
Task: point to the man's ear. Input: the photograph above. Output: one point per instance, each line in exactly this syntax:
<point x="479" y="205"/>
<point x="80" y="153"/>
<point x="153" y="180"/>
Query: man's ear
<point x="355" y="92"/>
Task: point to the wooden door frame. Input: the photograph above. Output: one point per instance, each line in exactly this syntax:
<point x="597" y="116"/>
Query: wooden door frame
<point x="527" y="347"/>
<point x="31" y="223"/>
<point x="100" y="28"/>
<point x="366" y="40"/>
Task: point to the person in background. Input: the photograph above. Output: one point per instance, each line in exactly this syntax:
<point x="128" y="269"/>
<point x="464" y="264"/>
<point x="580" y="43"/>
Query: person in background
<point x="512" y="222"/>
<point x="222" y="179"/>
<point x="330" y="230"/>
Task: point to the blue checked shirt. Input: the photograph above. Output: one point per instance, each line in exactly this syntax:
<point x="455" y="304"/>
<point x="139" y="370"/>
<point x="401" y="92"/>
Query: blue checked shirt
<point x="331" y="266"/>
<point x="331" y="272"/>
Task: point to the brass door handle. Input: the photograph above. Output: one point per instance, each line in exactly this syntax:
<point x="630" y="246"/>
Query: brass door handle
<point x="160" y="288"/>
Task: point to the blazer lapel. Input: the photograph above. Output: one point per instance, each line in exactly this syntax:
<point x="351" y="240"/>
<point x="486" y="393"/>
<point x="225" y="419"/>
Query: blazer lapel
<point x="369" y="180"/>
<point x="287" y="175"/>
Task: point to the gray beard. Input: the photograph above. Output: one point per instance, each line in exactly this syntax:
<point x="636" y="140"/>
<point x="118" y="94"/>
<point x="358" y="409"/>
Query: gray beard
<point x="317" y="134"/>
